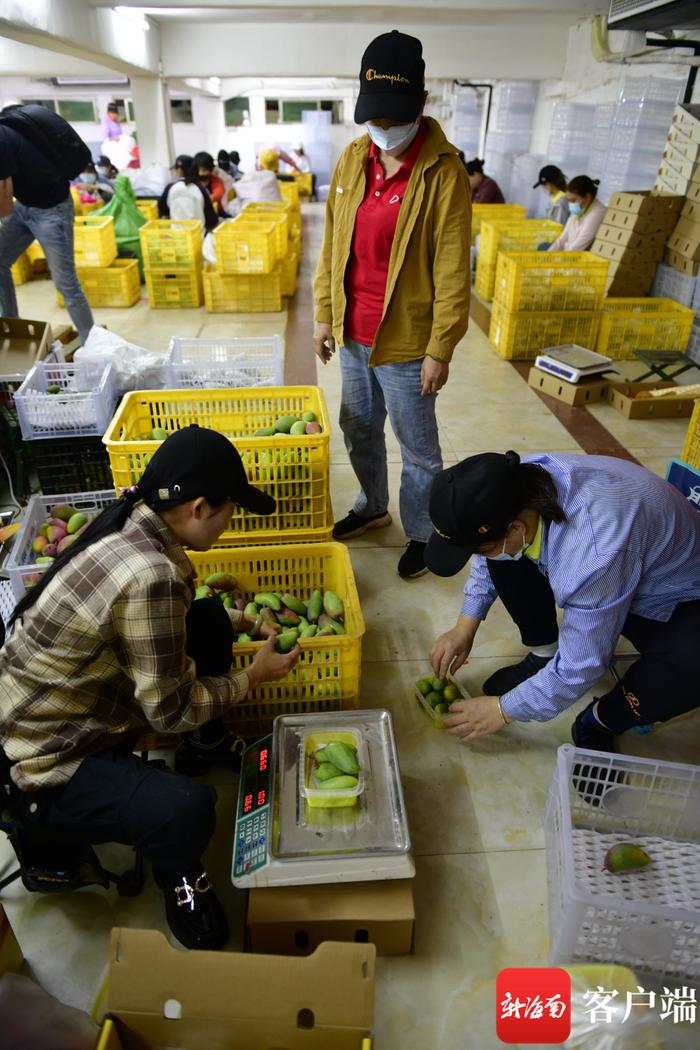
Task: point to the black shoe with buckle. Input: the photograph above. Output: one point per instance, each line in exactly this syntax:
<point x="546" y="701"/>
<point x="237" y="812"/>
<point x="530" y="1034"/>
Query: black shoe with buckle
<point x="354" y="525"/>
<point x="412" y="561"/>
<point x="194" y="759"/>
<point x="507" y="678"/>
<point x="193" y="911"/>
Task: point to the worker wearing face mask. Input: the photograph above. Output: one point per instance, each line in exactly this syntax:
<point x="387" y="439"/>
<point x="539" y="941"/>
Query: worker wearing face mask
<point x="586" y="213"/>
<point x="392" y="288"/>
<point x="606" y="541"/>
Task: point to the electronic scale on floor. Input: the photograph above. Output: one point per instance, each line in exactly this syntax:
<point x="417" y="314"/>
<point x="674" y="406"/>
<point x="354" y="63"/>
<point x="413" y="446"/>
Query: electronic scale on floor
<point x="282" y="837"/>
<point x="573" y="363"/>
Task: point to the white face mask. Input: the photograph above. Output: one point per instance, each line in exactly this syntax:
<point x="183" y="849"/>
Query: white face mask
<point x="393" y="140"/>
<point x="504" y="556"/>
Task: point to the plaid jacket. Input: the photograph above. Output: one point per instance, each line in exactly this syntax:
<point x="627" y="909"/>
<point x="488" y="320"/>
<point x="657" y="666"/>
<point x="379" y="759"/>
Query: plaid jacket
<point x="101" y="655"/>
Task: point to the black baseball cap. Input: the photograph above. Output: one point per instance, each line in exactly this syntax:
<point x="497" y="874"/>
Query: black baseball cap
<point x="470" y="503"/>
<point x="549" y="173"/>
<point x="183" y="161"/>
<point x="392" y="79"/>
<point x="196" y="462"/>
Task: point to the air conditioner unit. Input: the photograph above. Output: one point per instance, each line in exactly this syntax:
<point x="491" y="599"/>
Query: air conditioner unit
<point x="654" y="14"/>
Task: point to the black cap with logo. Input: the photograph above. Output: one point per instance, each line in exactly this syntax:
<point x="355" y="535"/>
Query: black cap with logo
<point x="392" y="79"/>
<point x="470" y="504"/>
<point x="184" y="161"/>
<point x="196" y="462"/>
<point x="549" y="173"/>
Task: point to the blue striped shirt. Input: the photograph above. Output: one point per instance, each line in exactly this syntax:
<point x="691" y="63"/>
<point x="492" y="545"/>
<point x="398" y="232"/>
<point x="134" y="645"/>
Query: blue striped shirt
<point x="630" y="544"/>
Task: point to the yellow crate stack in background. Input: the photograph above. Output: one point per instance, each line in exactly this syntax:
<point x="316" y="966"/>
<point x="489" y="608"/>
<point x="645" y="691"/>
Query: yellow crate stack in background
<point x="21" y="270"/>
<point x="487" y="212"/>
<point x="148" y="208"/>
<point x="105" y="279"/>
<point x="172" y="262"/>
<point x="643" y="324"/>
<point x="544" y="299"/>
<point x="503" y="235"/>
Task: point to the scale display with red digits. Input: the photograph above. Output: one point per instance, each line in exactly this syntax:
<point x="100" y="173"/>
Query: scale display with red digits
<point x="280" y="840"/>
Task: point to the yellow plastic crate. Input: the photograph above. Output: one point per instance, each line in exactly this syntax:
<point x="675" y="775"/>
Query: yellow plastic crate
<point x="327" y="677"/>
<point x="550" y="280"/>
<point x="485" y="212"/>
<point x="170" y="245"/>
<point x="115" y="285"/>
<point x="37" y="257"/>
<point x="691" y="449"/>
<point x="507" y="236"/>
<point x="88" y="207"/>
<point x="279" y="222"/>
<point x="246" y="245"/>
<point x="290" y="193"/>
<point x="279" y="211"/>
<point x="289" y="274"/>
<point x="305" y="182"/>
<point x="243" y="292"/>
<point x="175" y="291"/>
<point x="94" y="240"/>
<point x="292" y="469"/>
<point x="643" y="324"/>
<point x="21" y="270"/>
<point x="148" y="208"/>
<point x="522" y="334"/>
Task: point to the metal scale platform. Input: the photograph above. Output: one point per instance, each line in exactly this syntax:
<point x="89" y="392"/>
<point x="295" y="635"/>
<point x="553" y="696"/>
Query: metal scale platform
<point x="281" y="841"/>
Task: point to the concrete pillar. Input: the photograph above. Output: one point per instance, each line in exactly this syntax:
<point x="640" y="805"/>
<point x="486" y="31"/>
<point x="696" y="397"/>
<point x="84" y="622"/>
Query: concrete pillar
<point x="153" y="124"/>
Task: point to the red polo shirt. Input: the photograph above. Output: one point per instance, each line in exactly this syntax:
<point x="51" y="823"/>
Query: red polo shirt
<point x="375" y="226"/>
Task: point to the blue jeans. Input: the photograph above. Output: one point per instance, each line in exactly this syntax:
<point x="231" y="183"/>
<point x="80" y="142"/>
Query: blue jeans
<point x="368" y="395"/>
<point x="53" y="229"/>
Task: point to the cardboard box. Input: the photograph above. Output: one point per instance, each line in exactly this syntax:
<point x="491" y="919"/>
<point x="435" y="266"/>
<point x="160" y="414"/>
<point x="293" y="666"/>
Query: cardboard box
<point x="624" y="255"/>
<point x="22" y="343"/>
<point x="682" y="143"/>
<point x="687" y="247"/>
<point x="11" y="957"/>
<point x="69" y="339"/>
<point x="160" y="996"/>
<point x="649" y="243"/>
<point x="679" y="162"/>
<point x="585" y="392"/>
<point x="642" y="202"/>
<point x="623" y="397"/>
<point x="669" y="181"/>
<point x="293" y="920"/>
<point x="652" y="224"/>
<point x="693" y="193"/>
<point x="691" y="210"/>
<point x="681" y="262"/>
<point x="687" y="118"/>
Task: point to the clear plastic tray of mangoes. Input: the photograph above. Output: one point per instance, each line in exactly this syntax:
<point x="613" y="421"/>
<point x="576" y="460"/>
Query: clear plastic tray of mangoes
<point x="436" y="694"/>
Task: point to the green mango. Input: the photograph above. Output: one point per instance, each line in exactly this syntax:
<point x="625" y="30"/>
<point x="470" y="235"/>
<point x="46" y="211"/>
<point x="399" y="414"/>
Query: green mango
<point x="287" y="640"/>
<point x="203" y="592"/>
<point x="227" y="600"/>
<point x="442" y="709"/>
<point x="303" y="622"/>
<point x="268" y="615"/>
<point x="435" y="698"/>
<point x="284" y="424"/>
<point x="625" y="856"/>
<point x="342" y="783"/>
<point x="324" y="632"/>
<point x="309" y="417"/>
<point x="342" y="756"/>
<point x="439" y="684"/>
<point x="310" y="631"/>
<point x="298" y="428"/>
<point x="326" y="770"/>
<point x="315" y="607"/>
<point x="244" y="638"/>
<point x="270" y="601"/>
<point x="451" y="693"/>
<point x="221" y="581"/>
<point x="287" y="618"/>
<point x="265" y="432"/>
<point x="158" y="434"/>
<point x="294" y="603"/>
<point x="333" y="606"/>
<point x="325" y="620"/>
<point x="251" y="609"/>
<point x="423" y="685"/>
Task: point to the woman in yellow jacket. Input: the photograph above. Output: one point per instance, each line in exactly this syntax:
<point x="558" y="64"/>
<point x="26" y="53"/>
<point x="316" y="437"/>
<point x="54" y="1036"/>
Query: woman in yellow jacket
<point x="392" y="287"/>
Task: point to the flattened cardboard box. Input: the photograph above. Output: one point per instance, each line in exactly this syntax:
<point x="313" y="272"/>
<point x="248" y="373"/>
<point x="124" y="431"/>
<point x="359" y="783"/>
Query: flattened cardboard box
<point x="668" y="181"/>
<point x="292" y="920"/>
<point x="585" y="392"/>
<point x="22" y="343"/>
<point x="687" y="118"/>
<point x="681" y="262"/>
<point x="678" y="162"/>
<point x="160" y="996"/>
<point x="683" y="143"/>
<point x="623" y="397"/>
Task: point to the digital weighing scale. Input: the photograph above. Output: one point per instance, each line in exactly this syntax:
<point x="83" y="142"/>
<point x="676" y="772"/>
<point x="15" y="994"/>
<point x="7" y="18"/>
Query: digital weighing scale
<point x="573" y="363"/>
<point x="280" y="840"/>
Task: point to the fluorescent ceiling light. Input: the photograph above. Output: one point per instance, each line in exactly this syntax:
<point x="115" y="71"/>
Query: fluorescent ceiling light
<point x="135" y="16"/>
<point x="113" y="81"/>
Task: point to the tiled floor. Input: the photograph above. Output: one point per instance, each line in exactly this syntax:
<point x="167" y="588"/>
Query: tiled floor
<point x="475" y="812"/>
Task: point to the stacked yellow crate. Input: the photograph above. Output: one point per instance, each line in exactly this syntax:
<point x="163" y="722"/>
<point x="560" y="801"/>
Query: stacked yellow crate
<point x="105" y="279"/>
<point x="487" y="212"/>
<point x="506" y="235"/>
<point x="172" y="262"/>
<point x="544" y="299"/>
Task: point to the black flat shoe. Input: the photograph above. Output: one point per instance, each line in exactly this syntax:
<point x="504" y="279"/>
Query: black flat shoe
<point x="193" y="911"/>
<point x="354" y="525"/>
<point x="507" y="678"/>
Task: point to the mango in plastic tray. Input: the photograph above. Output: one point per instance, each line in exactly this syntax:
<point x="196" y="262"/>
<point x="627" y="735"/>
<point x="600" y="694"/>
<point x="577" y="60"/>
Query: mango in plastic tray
<point x="312" y="789"/>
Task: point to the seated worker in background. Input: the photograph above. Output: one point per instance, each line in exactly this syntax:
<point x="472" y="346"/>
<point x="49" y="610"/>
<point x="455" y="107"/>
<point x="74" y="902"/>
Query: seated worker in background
<point x="609" y="543"/>
<point x="299" y="159"/>
<point x="186" y="198"/>
<point x="260" y="185"/>
<point x="235" y="169"/>
<point x="90" y="184"/>
<point x="110" y="645"/>
<point x="213" y="185"/>
<point x="485" y="190"/>
<point x="553" y="182"/>
<point x="585" y="216"/>
<point x="269" y="160"/>
<point x="223" y="161"/>
<point x="106" y="172"/>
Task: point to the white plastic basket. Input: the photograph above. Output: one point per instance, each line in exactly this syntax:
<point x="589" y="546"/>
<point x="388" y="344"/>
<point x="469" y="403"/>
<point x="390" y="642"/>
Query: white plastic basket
<point x="20" y="565"/>
<point x="7" y="601"/>
<point x="209" y="363"/>
<point x="81" y="404"/>
<point x="647" y="919"/>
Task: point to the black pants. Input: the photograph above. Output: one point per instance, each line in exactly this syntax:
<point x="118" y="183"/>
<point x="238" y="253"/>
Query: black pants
<point x="662" y="683"/>
<point x="115" y="796"/>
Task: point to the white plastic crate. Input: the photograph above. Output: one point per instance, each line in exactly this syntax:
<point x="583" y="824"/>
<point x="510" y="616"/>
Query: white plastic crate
<point x="65" y="400"/>
<point x="210" y="363"/>
<point x="7" y="602"/>
<point x="20" y="565"/>
<point x="693" y="347"/>
<point x="670" y="283"/>
<point x="647" y="919"/>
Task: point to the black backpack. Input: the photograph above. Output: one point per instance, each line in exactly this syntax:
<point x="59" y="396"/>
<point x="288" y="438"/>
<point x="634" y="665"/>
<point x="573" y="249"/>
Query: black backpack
<point x="52" y="135"/>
